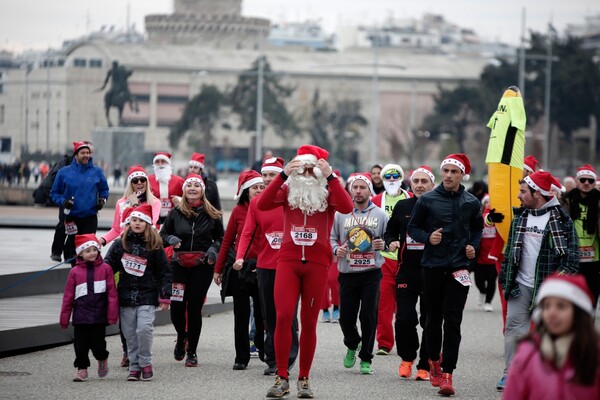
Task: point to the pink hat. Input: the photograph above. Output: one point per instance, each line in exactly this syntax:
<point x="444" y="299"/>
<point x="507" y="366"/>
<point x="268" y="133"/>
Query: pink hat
<point x="194" y="178"/>
<point x="311" y="154"/>
<point x="569" y="287"/>
<point x="531" y="164"/>
<point x="586" y="170"/>
<point x="161" y="155"/>
<point x="78" y="146"/>
<point x="137" y="171"/>
<point x="543" y="182"/>
<point x="362" y="176"/>
<point x="197" y="160"/>
<point x="83" y="242"/>
<point x="426" y="170"/>
<point x="246" y="180"/>
<point x="143" y="212"/>
<point x="272" y="164"/>
<point x="459" y="160"/>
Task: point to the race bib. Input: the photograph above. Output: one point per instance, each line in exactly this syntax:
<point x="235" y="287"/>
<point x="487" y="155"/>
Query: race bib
<point x="412" y="244"/>
<point x="134" y="265"/>
<point x="274" y="239"/>
<point x="165" y="207"/>
<point x="586" y="253"/>
<point x="70" y="228"/>
<point x="361" y="260"/>
<point x="462" y="276"/>
<point x="489" y="232"/>
<point x="303" y="235"/>
<point x="177" y="291"/>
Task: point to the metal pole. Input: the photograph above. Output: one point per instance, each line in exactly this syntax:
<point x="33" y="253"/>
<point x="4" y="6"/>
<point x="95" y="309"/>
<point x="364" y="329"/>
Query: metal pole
<point x="546" y="160"/>
<point x="375" y="102"/>
<point x="27" y="72"/>
<point x="259" y="107"/>
<point x="48" y="104"/>
<point x="522" y="55"/>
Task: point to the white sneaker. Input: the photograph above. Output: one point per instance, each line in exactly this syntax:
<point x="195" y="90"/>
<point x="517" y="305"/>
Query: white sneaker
<point x="481" y="299"/>
<point x="487" y="307"/>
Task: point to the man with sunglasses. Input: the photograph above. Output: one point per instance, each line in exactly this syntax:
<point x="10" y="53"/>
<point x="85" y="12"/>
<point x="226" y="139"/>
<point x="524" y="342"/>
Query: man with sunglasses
<point x="392" y="175"/>
<point x="583" y="206"/>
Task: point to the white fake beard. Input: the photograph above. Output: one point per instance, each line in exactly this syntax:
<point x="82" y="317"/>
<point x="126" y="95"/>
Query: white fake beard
<point x="392" y="188"/>
<point x="307" y="193"/>
<point x="163" y="174"/>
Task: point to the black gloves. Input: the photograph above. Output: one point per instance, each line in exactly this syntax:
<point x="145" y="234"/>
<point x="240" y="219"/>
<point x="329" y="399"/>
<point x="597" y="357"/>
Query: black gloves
<point x="68" y="204"/>
<point x="100" y="203"/>
<point x="495" y="217"/>
<point x="211" y="255"/>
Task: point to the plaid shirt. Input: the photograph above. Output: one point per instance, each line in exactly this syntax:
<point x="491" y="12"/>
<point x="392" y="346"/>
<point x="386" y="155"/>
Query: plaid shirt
<point x="548" y="261"/>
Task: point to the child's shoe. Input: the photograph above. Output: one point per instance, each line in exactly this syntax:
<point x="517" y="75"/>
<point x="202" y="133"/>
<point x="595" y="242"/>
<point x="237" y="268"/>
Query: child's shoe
<point x="81" y="375"/>
<point x="147" y="374"/>
<point x="102" y="368"/>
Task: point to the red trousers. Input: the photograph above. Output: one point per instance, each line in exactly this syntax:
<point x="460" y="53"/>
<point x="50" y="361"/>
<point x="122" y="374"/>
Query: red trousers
<point x="332" y="289"/>
<point x="295" y="280"/>
<point x="387" y="305"/>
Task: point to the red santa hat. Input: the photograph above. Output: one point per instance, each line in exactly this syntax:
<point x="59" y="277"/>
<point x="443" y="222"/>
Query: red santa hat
<point x="197" y="160"/>
<point x="126" y="217"/>
<point x="143" y="212"/>
<point x="272" y="164"/>
<point x="247" y="179"/>
<point x="79" y="145"/>
<point x="461" y="161"/>
<point x="426" y="170"/>
<point x="83" y="242"/>
<point x="543" y="182"/>
<point x="137" y="171"/>
<point x="362" y="176"/>
<point x="531" y="164"/>
<point x="310" y="154"/>
<point x="193" y="178"/>
<point x="586" y="170"/>
<point x="569" y="287"/>
<point x="390" y="168"/>
<point x="161" y="155"/>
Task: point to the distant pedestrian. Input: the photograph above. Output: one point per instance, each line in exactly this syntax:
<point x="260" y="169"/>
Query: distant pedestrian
<point x="117" y="173"/>
<point x="91" y="296"/>
<point x="144" y="286"/>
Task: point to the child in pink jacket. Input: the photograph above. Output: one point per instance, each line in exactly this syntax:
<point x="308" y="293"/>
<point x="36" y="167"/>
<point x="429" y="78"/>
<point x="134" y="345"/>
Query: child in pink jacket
<point x="91" y="296"/>
<point x="560" y="360"/>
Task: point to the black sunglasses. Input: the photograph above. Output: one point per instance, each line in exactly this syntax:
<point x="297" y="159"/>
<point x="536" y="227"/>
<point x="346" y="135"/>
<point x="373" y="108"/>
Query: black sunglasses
<point x="390" y="176"/>
<point x="587" y="180"/>
<point x="135" y="181"/>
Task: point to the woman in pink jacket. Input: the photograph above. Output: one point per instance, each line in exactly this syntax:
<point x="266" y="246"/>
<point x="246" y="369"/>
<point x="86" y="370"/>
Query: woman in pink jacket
<point x="561" y="358"/>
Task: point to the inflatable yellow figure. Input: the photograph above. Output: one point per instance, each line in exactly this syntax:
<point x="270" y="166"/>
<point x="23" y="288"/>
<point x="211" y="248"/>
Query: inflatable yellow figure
<point x="505" y="154"/>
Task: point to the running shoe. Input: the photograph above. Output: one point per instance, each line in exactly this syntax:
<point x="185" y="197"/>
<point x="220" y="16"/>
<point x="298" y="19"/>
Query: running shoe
<point x="405" y="369"/>
<point x="446" y="388"/>
<point x="147" y="373"/>
<point x="81" y="375"/>
<point x="326" y="316"/>
<point x="279" y="389"/>
<point x="304" y="390"/>
<point x="365" y="368"/>
<point x="102" y="368"/>
<point x="191" y="360"/>
<point x="422" y="375"/>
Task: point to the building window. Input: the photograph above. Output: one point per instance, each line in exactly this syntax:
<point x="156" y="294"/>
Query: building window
<point x="5" y="144"/>
<point x="79" y="62"/>
<point x="95" y="63"/>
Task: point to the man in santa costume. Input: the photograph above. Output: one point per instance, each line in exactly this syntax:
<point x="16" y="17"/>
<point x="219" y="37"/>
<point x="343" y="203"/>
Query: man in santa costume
<point x="310" y="197"/>
<point x="196" y="166"/>
<point x="392" y="176"/>
<point x="164" y="185"/>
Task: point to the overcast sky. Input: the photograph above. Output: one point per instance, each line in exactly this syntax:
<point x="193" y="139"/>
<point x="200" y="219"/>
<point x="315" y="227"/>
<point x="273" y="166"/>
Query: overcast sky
<point x="41" y="23"/>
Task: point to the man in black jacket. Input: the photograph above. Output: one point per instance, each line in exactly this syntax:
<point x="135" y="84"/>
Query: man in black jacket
<point x="448" y="221"/>
<point x="409" y="285"/>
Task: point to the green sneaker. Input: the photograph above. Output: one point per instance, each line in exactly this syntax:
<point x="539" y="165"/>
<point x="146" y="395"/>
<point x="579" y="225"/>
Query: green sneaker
<point x="365" y="368"/>
<point x="350" y="357"/>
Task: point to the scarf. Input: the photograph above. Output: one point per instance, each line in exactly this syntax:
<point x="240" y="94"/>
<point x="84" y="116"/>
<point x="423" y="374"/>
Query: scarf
<point x="556" y="350"/>
<point x="555" y="224"/>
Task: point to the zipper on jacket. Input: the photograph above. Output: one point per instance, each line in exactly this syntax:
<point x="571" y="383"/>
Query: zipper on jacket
<point x="192" y="241"/>
<point x="303" y="257"/>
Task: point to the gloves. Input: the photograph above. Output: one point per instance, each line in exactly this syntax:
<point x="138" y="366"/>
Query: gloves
<point x="172" y="240"/>
<point x="68" y="204"/>
<point x="100" y="203"/>
<point x="495" y="217"/>
<point x="211" y="255"/>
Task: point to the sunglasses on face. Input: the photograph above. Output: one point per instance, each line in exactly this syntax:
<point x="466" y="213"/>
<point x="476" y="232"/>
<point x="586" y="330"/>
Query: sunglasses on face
<point x="390" y="176"/>
<point x="135" y="181"/>
<point x="587" y="180"/>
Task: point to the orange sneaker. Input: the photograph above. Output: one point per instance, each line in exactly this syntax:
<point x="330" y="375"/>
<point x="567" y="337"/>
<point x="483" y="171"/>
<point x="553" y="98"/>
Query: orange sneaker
<point x="422" y="375"/>
<point x="405" y="369"/>
<point x="435" y="373"/>
<point x="446" y="388"/>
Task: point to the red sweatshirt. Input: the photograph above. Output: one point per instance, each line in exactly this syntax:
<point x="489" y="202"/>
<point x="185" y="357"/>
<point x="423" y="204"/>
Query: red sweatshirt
<point x="233" y="232"/>
<point x="306" y="237"/>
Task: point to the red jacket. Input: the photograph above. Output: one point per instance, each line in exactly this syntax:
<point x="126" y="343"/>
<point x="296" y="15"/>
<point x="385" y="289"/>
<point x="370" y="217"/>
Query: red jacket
<point x="173" y="188"/>
<point x="306" y="237"/>
<point x="232" y="235"/>
<point x="267" y="228"/>
<point x="488" y="236"/>
<point x="90" y="294"/>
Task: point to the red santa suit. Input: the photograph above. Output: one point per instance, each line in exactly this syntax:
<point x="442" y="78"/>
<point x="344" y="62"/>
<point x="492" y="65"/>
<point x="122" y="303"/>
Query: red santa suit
<point x="165" y="192"/>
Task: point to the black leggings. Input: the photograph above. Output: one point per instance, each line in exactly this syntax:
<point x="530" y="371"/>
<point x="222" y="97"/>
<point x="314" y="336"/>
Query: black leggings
<point x="485" y="280"/>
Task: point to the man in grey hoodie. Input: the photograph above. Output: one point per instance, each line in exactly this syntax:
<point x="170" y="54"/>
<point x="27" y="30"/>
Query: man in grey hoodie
<point x="356" y="239"/>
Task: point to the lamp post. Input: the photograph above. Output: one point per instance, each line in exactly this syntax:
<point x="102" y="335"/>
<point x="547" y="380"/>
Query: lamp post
<point x="259" y="107"/>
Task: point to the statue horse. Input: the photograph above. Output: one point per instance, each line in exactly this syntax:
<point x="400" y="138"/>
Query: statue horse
<point x="119" y="100"/>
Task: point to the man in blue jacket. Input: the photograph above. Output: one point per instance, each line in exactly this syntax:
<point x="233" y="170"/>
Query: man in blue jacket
<point x="448" y="220"/>
<point x="81" y="189"/>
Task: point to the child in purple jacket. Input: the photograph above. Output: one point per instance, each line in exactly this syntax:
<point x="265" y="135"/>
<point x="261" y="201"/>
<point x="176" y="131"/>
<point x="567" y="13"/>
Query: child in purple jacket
<point x="91" y="296"/>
